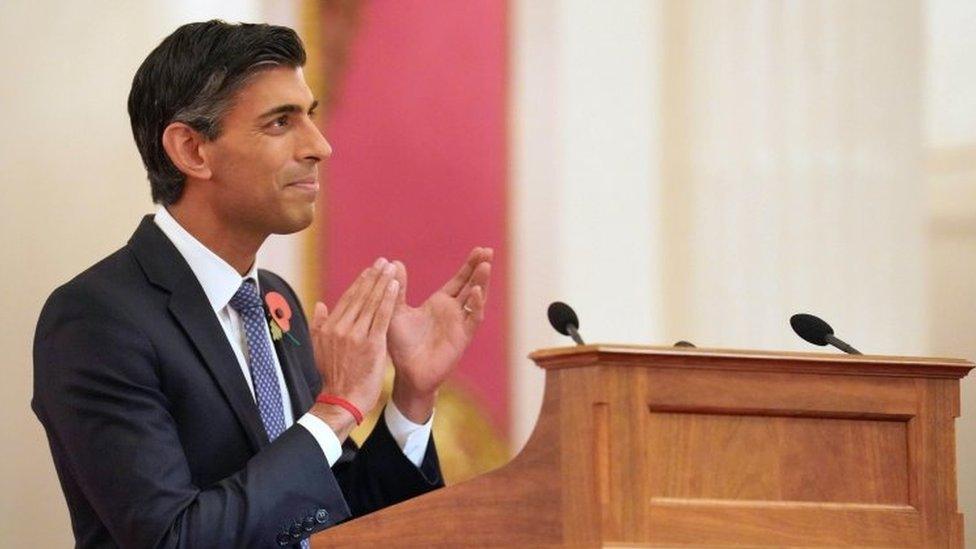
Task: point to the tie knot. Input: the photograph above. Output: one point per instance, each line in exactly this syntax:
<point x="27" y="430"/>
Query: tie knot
<point x="246" y="298"/>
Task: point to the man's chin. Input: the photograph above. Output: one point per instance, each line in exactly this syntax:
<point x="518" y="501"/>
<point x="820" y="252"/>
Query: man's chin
<point x="296" y="221"/>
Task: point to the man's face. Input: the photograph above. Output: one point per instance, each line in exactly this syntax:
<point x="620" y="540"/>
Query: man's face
<point x="265" y="162"/>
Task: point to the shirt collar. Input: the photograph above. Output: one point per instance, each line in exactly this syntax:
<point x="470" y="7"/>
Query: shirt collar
<point x="220" y="281"/>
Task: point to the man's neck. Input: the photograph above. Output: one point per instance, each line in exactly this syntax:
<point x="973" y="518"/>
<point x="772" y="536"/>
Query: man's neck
<point x="231" y="244"/>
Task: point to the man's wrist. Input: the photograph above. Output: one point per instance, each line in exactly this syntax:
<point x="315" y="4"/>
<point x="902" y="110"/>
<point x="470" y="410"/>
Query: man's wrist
<point x="343" y="403"/>
<point x="415" y="406"/>
<point x="336" y="417"/>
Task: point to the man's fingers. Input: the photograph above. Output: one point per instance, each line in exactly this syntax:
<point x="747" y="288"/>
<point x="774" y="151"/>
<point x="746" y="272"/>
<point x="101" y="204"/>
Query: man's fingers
<point x="401" y="278"/>
<point x="357" y="301"/>
<point x="381" y="320"/>
<point x="457" y="283"/>
<point x="479" y="278"/>
<point x="474" y="309"/>
<point x="372" y="301"/>
<point x="350" y="293"/>
<point x="319" y="314"/>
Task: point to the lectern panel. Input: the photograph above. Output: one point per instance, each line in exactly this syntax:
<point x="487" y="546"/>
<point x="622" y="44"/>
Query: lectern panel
<point x="768" y="458"/>
<point x="678" y="523"/>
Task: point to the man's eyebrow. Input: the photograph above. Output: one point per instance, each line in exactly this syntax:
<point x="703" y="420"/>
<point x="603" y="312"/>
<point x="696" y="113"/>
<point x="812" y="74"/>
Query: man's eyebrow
<point x="291" y="108"/>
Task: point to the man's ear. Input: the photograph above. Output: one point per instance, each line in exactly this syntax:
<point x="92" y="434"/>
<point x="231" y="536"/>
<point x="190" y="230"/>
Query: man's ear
<point x="184" y="145"/>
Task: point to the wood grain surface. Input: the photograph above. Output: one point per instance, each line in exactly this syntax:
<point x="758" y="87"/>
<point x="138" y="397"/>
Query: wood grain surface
<point x="664" y="447"/>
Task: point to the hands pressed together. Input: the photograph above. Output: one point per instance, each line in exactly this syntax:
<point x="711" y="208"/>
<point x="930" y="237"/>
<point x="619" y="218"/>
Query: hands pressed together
<point x="372" y="320"/>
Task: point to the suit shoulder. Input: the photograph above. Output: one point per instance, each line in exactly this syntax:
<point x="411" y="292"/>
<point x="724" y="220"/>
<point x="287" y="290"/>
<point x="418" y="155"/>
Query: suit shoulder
<point x="98" y="289"/>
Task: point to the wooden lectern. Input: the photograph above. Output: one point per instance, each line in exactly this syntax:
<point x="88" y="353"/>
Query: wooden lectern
<point x="667" y="447"/>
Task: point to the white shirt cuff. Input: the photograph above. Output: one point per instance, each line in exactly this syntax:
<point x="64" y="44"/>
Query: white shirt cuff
<point x="324" y="435"/>
<point x="411" y="437"/>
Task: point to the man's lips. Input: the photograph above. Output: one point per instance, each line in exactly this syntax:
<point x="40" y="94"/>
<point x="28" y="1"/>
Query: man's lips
<point x="310" y="184"/>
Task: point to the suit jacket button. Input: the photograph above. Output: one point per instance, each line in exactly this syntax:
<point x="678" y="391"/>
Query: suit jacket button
<point x="283" y="539"/>
<point x="296" y="530"/>
<point x="321" y="516"/>
<point x="308" y="524"/>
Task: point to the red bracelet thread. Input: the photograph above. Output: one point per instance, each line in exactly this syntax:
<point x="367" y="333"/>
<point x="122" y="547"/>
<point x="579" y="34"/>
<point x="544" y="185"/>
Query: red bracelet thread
<point x="339" y="401"/>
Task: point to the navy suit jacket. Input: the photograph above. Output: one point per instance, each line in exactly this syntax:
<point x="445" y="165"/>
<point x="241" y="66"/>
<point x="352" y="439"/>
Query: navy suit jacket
<point x="155" y="435"/>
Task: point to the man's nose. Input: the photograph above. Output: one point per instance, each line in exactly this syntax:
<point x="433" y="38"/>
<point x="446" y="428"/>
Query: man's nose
<point x="317" y="147"/>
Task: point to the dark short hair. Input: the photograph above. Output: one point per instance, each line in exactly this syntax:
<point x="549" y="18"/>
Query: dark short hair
<point x="192" y="77"/>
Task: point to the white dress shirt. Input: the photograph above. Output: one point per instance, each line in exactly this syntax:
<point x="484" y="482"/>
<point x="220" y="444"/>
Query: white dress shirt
<point x="220" y="282"/>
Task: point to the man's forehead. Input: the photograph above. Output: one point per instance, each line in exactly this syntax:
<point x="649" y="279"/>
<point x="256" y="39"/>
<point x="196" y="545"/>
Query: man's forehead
<point x="274" y="87"/>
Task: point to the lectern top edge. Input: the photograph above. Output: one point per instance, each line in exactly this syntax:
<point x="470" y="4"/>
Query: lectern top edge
<point x="645" y="355"/>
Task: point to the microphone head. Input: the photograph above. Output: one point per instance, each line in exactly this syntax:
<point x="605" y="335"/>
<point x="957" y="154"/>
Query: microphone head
<point x="561" y="316"/>
<point x="811" y="328"/>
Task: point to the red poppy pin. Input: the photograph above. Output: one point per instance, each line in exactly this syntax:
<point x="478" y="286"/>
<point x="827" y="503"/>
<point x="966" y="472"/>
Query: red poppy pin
<point x="279" y="318"/>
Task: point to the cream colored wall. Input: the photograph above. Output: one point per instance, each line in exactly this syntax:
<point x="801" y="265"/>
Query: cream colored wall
<point x="72" y="189"/>
<point x="950" y="169"/>
<point x="817" y="155"/>
<point x="584" y="179"/>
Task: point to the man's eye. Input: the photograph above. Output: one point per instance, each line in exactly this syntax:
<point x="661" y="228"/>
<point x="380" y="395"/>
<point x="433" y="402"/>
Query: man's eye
<point x="280" y="122"/>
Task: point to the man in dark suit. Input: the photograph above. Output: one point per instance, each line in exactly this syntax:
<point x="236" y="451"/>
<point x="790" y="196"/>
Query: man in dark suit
<point x="186" y="400"/>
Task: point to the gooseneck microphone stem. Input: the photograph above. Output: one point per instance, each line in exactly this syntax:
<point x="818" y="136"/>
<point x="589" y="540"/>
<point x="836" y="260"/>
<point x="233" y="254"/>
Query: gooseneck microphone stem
<point x="574" y="333"/>
<point x="841" y="344"/>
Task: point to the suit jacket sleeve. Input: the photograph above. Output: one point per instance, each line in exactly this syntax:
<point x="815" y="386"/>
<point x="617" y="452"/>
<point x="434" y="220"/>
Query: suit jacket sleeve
<point x="98" y="394"/>
<point x="379" y="474"/>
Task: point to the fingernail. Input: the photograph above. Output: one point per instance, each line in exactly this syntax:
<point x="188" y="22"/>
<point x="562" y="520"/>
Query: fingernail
<point x="389" y="269"/>
<point x="380" y="262"/>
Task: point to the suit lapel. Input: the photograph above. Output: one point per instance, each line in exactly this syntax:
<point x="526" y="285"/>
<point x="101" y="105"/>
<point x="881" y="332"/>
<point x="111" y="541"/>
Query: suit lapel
<point x="301" y="399"/>
<point x="289" y="357"/>
<point x="165" y="267"/>
<point x="190" y="307"/>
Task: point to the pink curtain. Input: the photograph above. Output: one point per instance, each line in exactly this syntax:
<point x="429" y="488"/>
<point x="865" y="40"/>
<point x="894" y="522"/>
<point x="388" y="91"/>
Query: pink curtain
<point x="419" y="165"/>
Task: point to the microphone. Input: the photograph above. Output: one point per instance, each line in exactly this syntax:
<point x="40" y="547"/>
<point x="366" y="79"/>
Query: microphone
<point x="563" y="318"/>
<point x="818" y="332"/>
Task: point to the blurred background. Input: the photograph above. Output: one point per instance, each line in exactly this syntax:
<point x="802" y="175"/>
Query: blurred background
<point x="675" y="169"/>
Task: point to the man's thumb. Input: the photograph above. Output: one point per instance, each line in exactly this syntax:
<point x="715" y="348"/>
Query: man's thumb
<point x="320" y="313"/>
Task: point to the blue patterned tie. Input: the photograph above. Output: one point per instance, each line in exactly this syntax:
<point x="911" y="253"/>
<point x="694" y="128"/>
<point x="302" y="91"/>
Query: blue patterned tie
<point x="247" y="303"/>
<point x="260" y="360"/>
